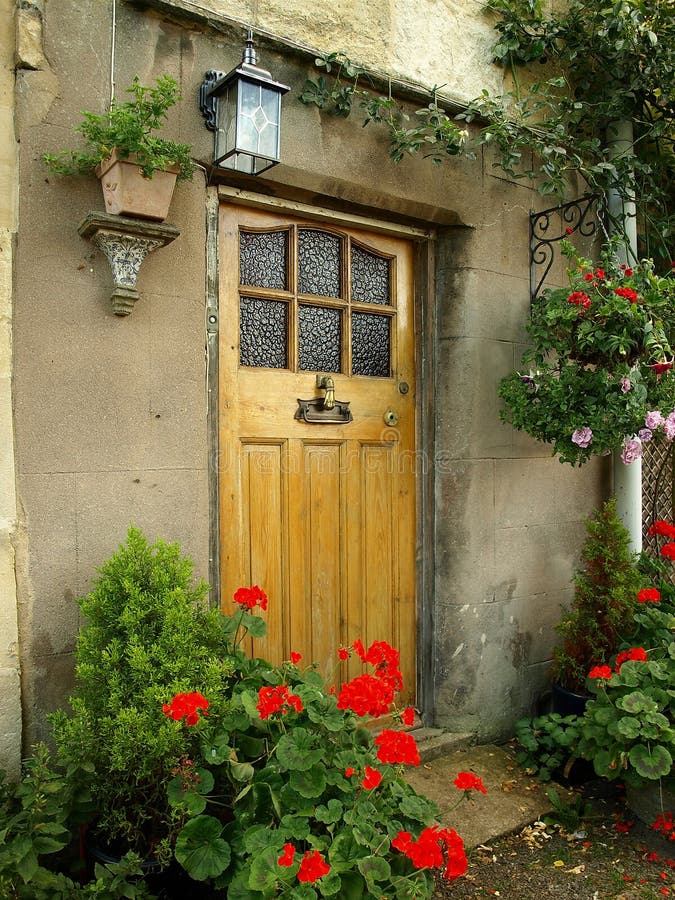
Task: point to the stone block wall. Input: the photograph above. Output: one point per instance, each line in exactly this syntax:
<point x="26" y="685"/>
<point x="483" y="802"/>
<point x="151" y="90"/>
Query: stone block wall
<point x="111" y="414"/>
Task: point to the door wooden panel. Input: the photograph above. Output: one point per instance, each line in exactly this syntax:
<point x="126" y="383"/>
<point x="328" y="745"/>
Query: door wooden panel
<point x="321" y="516"/>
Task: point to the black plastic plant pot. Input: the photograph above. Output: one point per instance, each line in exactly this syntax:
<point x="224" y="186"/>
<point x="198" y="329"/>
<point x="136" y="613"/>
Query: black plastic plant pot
<point x="566" y="702"/>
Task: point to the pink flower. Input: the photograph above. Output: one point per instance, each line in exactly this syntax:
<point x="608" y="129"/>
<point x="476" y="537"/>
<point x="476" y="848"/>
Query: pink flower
<point x="632" y="451"/>
<point x="645" y="435"/>
<point x="654" y="419"/>
<point x="625" y="384"/>
<point x="582" y="437"/>
<point x="669" y="426"/>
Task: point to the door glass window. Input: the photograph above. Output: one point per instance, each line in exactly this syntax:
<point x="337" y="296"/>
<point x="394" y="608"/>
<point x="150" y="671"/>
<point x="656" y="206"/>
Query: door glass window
<point x="263" y="259"/>
<point x="371" y="345"/>
<point x="319" y="262"/>
<point x="281" y="329"/>
<point x="319" y="338"/>
<point x="263" y="329"/>
<point x="370" y="277"/>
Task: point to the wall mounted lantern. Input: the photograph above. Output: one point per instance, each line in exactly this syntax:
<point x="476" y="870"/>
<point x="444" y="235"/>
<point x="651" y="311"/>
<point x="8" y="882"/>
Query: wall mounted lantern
<point x="243" y="108"/>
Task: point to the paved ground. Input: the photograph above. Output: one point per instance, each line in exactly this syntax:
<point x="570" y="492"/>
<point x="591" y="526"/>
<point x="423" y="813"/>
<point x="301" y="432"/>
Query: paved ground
<point x="513" y="800"/>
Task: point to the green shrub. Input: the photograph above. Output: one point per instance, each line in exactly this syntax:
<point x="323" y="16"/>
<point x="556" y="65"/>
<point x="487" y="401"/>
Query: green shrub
<point x="148" y="634"/>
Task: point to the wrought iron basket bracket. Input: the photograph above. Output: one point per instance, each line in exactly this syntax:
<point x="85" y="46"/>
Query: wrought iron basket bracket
<point x="549" y="226"/>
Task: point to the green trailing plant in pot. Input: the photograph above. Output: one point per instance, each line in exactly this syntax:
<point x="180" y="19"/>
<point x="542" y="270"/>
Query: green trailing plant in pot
<point x="600" y="362"/>
<point x="148" y="634"/>
<point x="602" y="609"/>
<point x="124" y="143"/>
<point x="291" y="796"/>
<point x="35" y="838"/>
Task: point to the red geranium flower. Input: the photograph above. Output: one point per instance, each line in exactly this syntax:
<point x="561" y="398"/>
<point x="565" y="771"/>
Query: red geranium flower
<point x="408" y="716"/>
<point x="277" y="699"/>
<point x="426" y="852"/>
<point x="349" y="771"/>
<point x="343" y="654"/>
<point x="366" y="696"/>
<point x="668" y="550"/>
<point x="251" y="597"/>
<point x="186" y="705"/>
<point x="467" y="781"/>
<point x="627" y="293"/>
<point x="600" y="672"/>
<point x="286" y="858"/>
<point x="579" y="298"/>
<point x="295" y="657"/>
<point x="312" y="867"/>
<point x="600" y="273"/>
<point x="397" y="747"/>
<point x="636" y="653"/>
<point x="649" y="595"/>
<point x="662" y="528"/>
<point x="371" y="779"/>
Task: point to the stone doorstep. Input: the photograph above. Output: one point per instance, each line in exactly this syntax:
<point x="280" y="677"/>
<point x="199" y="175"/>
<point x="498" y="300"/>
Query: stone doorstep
<point x="513" y="800"/>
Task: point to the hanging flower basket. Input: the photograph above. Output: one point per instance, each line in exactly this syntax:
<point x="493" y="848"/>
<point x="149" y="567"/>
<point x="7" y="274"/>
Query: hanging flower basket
<point x="600" y="361"/>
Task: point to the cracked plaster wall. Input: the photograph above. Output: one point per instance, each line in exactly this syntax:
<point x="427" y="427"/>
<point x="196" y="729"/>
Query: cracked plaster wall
<point x="111" y="413"/>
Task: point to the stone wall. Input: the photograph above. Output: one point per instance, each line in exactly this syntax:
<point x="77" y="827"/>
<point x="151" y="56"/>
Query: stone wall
<point x="111" y="414"/>
<point x="10" y="693"/>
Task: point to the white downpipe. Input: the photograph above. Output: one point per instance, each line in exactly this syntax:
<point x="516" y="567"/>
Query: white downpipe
<point x="627" y="479"/>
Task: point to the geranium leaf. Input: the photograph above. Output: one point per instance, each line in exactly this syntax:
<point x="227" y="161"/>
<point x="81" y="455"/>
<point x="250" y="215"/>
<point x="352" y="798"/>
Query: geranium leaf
<point x="374" y="868"/>
<point x="329" y="814"/>
<point x="636" y="702"/>
<point x="216" y="749"/>
<point x="309" y="784"/>
<point x="629" y="727"/>
<point x="264" y="869"/>
<point x="201" y="850"/>
<point x="296" y="827"/>
<point x="297" y="750"/>
<point x="331" y="885"/>
<point x="654" y="764"/>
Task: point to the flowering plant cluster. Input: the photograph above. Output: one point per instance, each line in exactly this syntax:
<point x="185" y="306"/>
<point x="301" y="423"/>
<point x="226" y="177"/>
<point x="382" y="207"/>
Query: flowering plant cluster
<point x="628" y="729"/>
<point x="290" y="795"/>
<point x="600" y="360"/>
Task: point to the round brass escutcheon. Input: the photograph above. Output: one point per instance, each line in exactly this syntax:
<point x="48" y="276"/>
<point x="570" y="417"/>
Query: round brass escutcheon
<point x="403" y="387"/>
<point x="391" y="418"/>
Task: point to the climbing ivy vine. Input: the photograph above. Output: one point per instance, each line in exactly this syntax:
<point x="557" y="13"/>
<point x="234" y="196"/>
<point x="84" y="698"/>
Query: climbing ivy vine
<point x="600" y="63"/>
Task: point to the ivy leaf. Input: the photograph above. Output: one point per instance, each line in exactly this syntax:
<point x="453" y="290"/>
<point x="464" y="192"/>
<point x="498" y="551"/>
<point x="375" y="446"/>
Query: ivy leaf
<point x="201" y="850"/>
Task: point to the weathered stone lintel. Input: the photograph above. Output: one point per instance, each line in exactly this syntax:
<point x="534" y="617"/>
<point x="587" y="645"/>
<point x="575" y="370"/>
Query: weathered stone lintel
<point x="125" y="242"/>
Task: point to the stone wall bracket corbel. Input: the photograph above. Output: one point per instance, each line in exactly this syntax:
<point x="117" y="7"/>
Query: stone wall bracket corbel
<point x="126" y="243"/>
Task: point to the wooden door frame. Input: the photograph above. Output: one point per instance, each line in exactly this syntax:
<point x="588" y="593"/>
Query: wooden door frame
<point x="423" y="240"/>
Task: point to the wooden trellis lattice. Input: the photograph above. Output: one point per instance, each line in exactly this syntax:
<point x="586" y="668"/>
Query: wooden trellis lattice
<point x="658" y="488"/>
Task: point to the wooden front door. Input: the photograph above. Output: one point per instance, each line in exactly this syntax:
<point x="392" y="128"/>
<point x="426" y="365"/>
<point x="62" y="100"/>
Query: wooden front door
<point x="320" y="514"/>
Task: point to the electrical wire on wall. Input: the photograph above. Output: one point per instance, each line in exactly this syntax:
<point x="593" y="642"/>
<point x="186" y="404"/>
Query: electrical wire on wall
<point x="113" y="28"/>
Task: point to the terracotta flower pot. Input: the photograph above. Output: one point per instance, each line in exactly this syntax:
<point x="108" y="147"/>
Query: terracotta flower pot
<point x="127" y="192"/>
